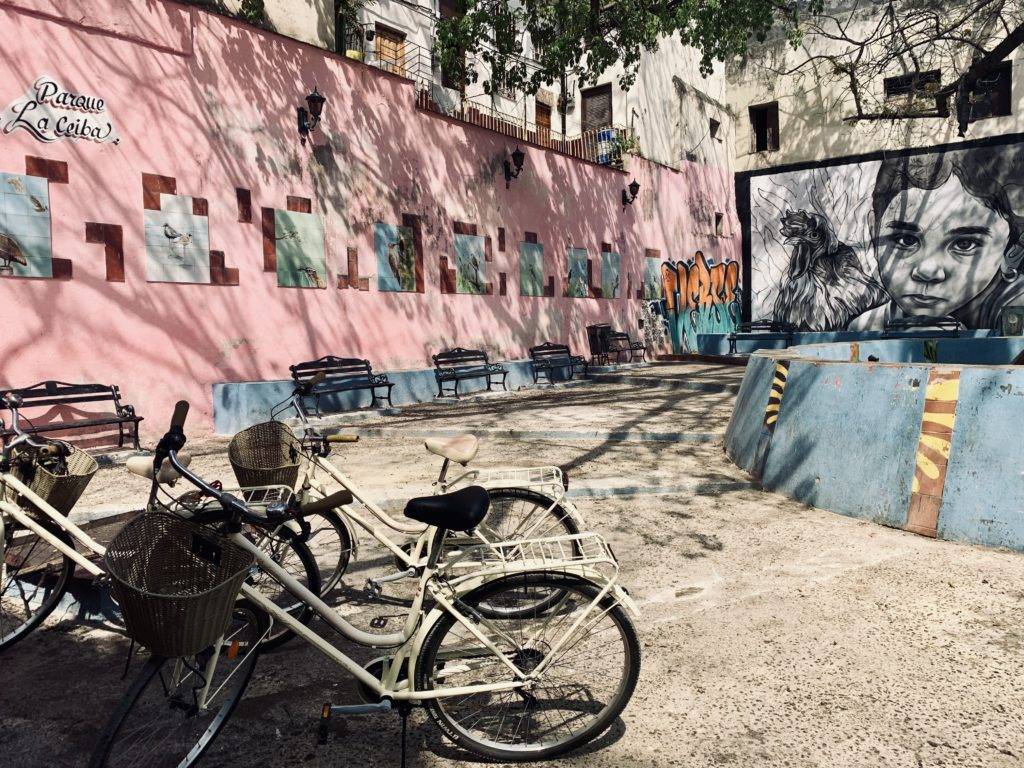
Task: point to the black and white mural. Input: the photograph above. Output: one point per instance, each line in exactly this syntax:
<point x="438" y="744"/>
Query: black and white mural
<point x="849" y="247"/>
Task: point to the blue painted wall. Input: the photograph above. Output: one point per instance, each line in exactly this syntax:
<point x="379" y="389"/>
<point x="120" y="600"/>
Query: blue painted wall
<point x="847" y="435"/>
<point x="718" y="343"/>
<point x="983" y="500"/>
<point x="846" y="438"/>
<point x="241" y="404"/>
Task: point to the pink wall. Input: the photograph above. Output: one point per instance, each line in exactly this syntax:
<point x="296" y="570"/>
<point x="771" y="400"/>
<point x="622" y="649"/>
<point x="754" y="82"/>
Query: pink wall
<point x="212" y="103"/>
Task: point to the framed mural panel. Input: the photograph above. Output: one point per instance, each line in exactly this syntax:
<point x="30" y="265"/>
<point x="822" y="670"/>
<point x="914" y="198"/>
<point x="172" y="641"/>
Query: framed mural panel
<point x="26" y="248"/>
<point x="301" y="258"/>
<point x="652" y="279"/>
<point x="856" y="244"/>
<point x="396" y="257"/>
<point x="470" y="261"/>
<point x="611" y="275"/>
<point x="579" y="287"/>
<point x="177" y="242"/>
<point x="531" y="269"/>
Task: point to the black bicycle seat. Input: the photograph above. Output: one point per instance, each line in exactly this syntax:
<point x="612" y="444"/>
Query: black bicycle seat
<point x="462" y="510"/>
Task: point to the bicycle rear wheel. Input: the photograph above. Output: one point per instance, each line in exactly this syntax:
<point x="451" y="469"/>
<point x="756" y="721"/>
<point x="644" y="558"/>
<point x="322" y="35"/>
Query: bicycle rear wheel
<point x="35" y="577"/>
<point x="163" y="720"/>
<point x="586" y="684"/>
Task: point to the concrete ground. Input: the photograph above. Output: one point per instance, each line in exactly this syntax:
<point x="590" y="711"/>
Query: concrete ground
<point x="773" y="634"/>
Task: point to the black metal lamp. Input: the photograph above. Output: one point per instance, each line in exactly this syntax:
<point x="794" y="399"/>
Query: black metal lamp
<point x="514" y="166"/>
<point x="309" y="118"/>
<point x="630" y="194"/>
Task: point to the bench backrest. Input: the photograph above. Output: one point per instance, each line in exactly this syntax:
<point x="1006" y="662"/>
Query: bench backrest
<point x="459" y="358"/>
<point x="765" y="326"/>
<point x="549" y="351"/>
<point x="49" y="393"/>
<point x="333" y="367"/>
<point x="922" y="323"/>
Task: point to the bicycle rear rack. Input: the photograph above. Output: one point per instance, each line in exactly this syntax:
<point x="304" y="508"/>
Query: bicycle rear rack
<point x="583" y="552"/>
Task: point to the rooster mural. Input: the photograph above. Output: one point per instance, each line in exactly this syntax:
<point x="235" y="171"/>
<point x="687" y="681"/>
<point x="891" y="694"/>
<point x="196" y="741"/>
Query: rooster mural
<point x="825" y="286"/>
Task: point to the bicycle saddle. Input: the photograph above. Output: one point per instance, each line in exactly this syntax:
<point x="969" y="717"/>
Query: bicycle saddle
<point x="461" y="510"/>
<point x="143" y="467"/>
<point x="461" y="449"/>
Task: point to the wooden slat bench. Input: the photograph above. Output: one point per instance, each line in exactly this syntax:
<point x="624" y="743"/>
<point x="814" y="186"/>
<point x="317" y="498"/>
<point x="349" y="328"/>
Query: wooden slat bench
<point x="761" y="330"/>
<point x="64" y="414"/>
<point x="549" y="356"/>
<point x="342" y="374"/>
<point x="455" y="365"/>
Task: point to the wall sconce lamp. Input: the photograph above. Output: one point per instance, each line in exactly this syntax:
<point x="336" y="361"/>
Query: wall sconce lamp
<point x="514" y="166"/>
<point x="310" y="119"/>
<point x="629" y="195"/>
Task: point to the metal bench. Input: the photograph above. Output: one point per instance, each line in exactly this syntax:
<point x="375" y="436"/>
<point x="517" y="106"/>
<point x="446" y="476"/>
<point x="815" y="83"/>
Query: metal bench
<point x="64" y="415"/>
<point x="620" y="344"/>
<point x="455" y="365"/>
<point x="549" y="356"/>
<point x="933" y="326"/>
<point x="761" y="330"/>
<point x="341" y="374"/>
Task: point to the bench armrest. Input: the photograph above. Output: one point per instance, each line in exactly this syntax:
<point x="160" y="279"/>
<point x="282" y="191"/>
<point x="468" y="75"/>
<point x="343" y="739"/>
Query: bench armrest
<point x="495" y="368"/>
<point x="379" y="378"/>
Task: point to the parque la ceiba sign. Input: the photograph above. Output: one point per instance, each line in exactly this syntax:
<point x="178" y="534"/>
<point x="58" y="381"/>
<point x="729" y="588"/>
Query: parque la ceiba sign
<point x="51" y="113"/>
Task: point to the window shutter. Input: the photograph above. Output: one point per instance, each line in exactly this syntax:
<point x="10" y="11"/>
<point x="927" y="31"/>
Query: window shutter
<point x="773" y="127"/>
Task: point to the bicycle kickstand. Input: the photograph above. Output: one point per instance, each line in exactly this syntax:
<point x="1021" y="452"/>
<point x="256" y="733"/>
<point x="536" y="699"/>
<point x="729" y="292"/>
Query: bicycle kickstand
<point x="404" y="709"/>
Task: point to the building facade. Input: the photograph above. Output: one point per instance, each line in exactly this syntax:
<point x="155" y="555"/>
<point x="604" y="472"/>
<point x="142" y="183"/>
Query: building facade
<point x="166" y="228"/>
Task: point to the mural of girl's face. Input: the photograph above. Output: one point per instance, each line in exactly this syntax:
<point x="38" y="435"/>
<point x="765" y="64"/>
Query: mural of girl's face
<point x="938" y="248"/>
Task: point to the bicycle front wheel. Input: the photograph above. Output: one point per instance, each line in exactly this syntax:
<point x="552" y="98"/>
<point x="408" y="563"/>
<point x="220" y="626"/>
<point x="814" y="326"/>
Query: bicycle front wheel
<point x="587" y="673"/>
<point x="175" y="709"/>
<point x="35" y="575"/>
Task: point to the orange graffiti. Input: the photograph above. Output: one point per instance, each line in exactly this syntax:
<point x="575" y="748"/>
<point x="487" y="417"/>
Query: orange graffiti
<point x="700" y="285"/>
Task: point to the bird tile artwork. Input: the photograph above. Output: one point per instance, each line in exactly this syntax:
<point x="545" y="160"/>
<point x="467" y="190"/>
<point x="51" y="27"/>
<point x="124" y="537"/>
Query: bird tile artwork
<point x="25" y="245"/>
<point x="611" y="275"/>
<point x="578" y="282"/>
<point x="652" y="279"/>
<point x="396" y="258"/>
<point x="531" y="269"/>
<point x="301" y="258"/>
<point x="177" y="242"/>
<point x="470" y="274"/>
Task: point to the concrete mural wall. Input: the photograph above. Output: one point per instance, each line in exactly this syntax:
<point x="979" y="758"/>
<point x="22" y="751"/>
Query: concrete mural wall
<point x="857" y="243"/>
<point x="187" y="238"/>
<point x="700" y="298"/>
<point x="923" y="446"/>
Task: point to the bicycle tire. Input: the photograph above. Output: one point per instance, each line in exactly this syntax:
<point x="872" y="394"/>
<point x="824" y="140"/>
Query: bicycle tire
<point x="63" y="572"/>
<point x="150" y="680"/>
<point x="477" y="704"/>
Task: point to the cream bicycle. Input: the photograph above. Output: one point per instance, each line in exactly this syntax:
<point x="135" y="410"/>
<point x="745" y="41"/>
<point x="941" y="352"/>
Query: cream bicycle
<point x="504" y="675"/>
<point x="40" y="546"/>
<point x="524" y="502"/>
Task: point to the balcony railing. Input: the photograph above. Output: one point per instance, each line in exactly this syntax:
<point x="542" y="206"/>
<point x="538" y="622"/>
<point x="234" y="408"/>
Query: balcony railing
<point x="605" y="146"/>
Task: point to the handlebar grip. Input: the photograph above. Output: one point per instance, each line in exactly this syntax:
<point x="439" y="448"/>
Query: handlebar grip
<point x="338" y="438"/>
<point x="51" y="449"/>
<point x="316" y="380"/>
<point x="180" y="414"/>
<point x="336" y="499"/>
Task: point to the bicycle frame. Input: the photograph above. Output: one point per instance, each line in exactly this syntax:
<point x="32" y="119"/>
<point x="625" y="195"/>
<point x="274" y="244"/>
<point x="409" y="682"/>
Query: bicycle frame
<point x="410" y="640"/>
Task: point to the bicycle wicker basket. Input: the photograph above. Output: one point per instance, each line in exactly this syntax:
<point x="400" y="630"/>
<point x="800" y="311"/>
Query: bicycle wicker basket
<point x="176" y="582"/>
<point x="60" y="490"/>
<point x="265" y="454"/>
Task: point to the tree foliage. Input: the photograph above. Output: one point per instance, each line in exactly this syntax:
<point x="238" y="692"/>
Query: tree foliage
<point x="856" y="44"/>
<point x="584" y="38"/>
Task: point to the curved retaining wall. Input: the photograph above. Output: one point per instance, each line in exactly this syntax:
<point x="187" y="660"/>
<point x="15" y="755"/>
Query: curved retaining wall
<point x="933" y="448"/>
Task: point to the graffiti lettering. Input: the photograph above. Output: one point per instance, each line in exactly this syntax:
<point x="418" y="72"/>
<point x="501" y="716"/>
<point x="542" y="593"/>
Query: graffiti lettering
<point x="701" y="297"/>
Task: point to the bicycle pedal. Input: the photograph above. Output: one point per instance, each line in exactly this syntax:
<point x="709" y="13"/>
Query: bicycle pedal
<point x="379" y="622"/>
<point x="372" y="589"/>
